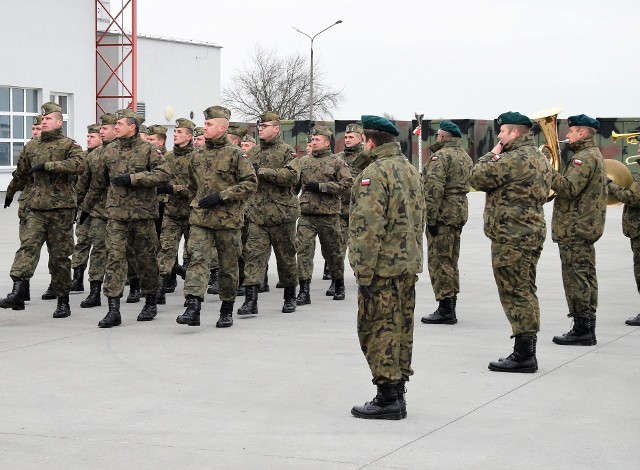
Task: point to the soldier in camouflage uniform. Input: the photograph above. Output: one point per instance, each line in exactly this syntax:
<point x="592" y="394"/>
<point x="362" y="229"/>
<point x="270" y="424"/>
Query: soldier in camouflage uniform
<point x="221" y="179"/>
<point x="446" y="184"/>
<point x="175" y="223"/>
<point x="386" y="221"/>
<point x="517" y="178"/>
<point x="324" y="178"/>
<point x="247" y="144"/>
<point x="235" y="135"/>
<point x="129" y="169"/>
<point x="144" y="133"/>
<point x="198" y="138"/>
<point x="271" y="214"/>
<point x="579" y="212"/>
<point x="158" y="137"/>
<point x="50" y="162"/>
<point x="630" y="226"/>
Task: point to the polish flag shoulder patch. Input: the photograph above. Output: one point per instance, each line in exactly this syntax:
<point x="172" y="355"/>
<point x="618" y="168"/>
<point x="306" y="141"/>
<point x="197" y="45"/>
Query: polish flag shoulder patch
<point x="365" y="182"/>
<point x="495" y="158"/>
<point x="244" y="155"/>
<point x="577" y="162"/>
<point x="434" y="158"/>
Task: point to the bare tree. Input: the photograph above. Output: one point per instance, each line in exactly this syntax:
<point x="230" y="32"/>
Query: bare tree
<point x="282" y="85"/>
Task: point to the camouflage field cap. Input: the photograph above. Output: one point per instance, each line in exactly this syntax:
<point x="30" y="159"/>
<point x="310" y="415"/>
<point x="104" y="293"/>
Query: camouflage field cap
<point x="248" y="138"/>
<point x="513" y="117"/>
<point x="127" y="113"/>
<point x="50" y="107"/>
<point x="184" y="123"/>
<point x="321" y="130"/>
<point x="237" y="130"/>
<point x="213" y="112"/>
<point x="198" y="131"/>
<point x="355" y="128"/>
<point x="93" y="129"/>
<point x="37" y="120"/>
<point x="108" y="119"/>
<point x="157" y="129"/>
<point x="379" y="123"/>
<point x="144" y="130"/>
<point x="268" y="116"/>
<point x="583" y="120"/>
<point x="451" y="128"/>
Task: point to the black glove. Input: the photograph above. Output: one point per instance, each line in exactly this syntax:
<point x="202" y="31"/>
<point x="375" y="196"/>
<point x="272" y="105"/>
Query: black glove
<point x="38" y="167"/>
<point x="433" y="230"/>
<point x="256" y="167"/>
<point x="7" y="201"/>
<point x="312" y="187"/>
<point x="166" y="189"/>
<point x="364" y="290"/>
<point x="122" y="180"/>
<point x="83" y="216"/>
<point x="212" y="200"/>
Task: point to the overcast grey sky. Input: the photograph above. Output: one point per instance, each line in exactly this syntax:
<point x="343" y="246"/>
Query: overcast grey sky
<point x="448" y="59"/>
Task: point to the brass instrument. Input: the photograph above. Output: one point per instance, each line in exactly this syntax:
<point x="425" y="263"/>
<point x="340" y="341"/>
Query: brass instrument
<point x="548" y="122"/>
<point x="632" y="137"/>
<point x="632" y="160"/>
<point x="619" y="174"/>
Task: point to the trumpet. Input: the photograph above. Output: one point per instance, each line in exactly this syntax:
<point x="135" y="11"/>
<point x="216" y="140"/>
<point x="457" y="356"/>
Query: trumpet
<point x="632" y="137"/>
<point x="632" y="160"/>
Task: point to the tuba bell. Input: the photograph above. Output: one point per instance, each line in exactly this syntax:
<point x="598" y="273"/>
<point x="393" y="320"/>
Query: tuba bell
<point x="619" y="173"/>
<point x="548" y="122"/>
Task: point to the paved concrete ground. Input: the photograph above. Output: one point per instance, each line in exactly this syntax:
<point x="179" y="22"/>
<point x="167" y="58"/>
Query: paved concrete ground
<point x="275" y="391"/>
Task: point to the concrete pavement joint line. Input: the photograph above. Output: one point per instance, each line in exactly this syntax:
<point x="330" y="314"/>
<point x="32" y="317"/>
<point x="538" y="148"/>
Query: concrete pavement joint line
<point x="498" y="397"/>
<point x="47" y="342"/>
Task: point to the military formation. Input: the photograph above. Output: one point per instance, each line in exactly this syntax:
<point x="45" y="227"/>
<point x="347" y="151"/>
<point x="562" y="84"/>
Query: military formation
<point x="231" y="200"/>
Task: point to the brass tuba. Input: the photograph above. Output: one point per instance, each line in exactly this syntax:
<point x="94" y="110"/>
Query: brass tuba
<point x="548" y="122"/>
<point x="619" y="174"/>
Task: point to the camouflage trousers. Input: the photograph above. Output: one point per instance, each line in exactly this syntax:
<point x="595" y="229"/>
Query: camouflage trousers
<point x="243" y="237"/>
<point x="83" y="244"/>
<point x="327" y="229"/>
<point x="385" y="327"/>
<point x="257" y="251"/>
<point x="443" y="252"/>
<point x="514" y="269"/>
<point x="635" y="248"/>
<point x="132" y="265"/>
<point x="344" y="237"/>
<point x="144" y="239"/>
<point x="214" y="257"/>
<point x="172" y="231"/>
<point x="98" y="257"/>
<point x="229" y="245"/>
<point x="55" y="228"/>
<point x="579" y="277"/>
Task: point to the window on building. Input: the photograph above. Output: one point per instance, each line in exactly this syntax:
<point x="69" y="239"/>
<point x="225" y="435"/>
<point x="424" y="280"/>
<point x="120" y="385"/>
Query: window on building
<point x="64" y="100"/>
<point x="18" y="106"/>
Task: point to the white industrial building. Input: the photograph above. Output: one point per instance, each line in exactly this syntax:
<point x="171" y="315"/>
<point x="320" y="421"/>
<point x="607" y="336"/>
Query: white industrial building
<point x="50" y="55"/>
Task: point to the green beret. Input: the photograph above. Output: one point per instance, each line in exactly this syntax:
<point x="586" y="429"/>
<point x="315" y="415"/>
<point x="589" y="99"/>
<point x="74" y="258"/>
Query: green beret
<point x="236" y="130"/>
<point x="451" y="128"/>
<point x="48" y="108"/>
<point x="157" y="129"/>
<point x="269" y="116"/>
<point x="144" y="130"/>
<point x="127" y="113"/>
<point x="583" y="120"/>
<point x="378" y="123"/>
<point x="321" y="130"/>
<point x="198" y="131"/>
<point x="357" y="128"/>
<point x="93" y="129"/>
<point x="513" y="117"/>
<point x="183" y="123"/>
<point x="108" y="119"/>
<point x="213" y="112"/>
<point x="37" y="120"/>
<point x="248" y="138"/>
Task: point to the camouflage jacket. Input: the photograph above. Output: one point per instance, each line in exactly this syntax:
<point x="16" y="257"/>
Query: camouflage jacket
<point x="386" y="217"/>
<point x="357" y="160"/>
<point x="446" y="183"/>
<point x="335" y="180"/>
<point x="94" y="161"/>
<point x="276" y="200"/>
<point x="25" y="186"/>
<point x="580" y="205"/>
<point x="177" y="205"/>
<point x="631" y="211"/>
<point x="223" y="168"/>
<point x="82" y="184"/>
<point x="147" y="168"/>
<point x="63" y="158"/>
<point x="517" y="183"/>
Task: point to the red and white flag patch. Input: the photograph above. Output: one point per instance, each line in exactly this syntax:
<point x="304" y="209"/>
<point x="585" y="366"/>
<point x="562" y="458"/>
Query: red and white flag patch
<point x="244" y="155"/>
<point x="365" y="182"/>
<point x="495" y="158"/>
<point x="434" y="158"/>
<point x="577" y="162"/>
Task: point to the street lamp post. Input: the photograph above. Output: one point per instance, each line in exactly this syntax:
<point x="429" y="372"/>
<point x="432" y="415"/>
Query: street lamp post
<point x="311" y="66"/>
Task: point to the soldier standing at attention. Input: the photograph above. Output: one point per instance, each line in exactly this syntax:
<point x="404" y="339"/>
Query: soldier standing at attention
<point x="129" y="169"/>
<point x="51" y="163"/>
<point x="579" y="212"/>
<point x="221" y="178"/>
<point x="446" y="184"/>
<point x="247" y="143"/>
<point x="386" y="221"/>
<point x="144" y="133"/>
<point x="323" y="179"/>
<point x="198" y="138"/>
<point x="271" y="214"/>
<point x="235" y="135"/>
<point x="517" y="178"/>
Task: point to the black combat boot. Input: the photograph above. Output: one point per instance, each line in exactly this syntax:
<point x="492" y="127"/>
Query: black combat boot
<point x="385" y="405"/>
<point x="250" y="305"/>
<point x="161" y="299"/>
<point x="213" y="282"/>
<point x="592" y="329"/>
<point x="339" y="294"/>
<point x="279" y="285"/>
<point x="241" y="290"/>
<point x="289" y="305"/>
<point x="113" y="315"/>
<point x="444" y="315"/>
<point x="15" y="299"/>
<point x="226" y="314"/>
<point x="326" y="275"/>
<point x="93" y="299"/>
<point x="191" y="315"/>
<point x="401" y="390"/>
<point x="580" y="333"/>
<point x="134" y="291"/>
<point x="181" y="269"/>
<point x="63" y="310"/>
<point x="304" y="297"/>
<point x="49" y="294"/>
<point x="27" y="290"/>
<point x="633" y="321"/>
<point x="264" y="286"/>
<point x="331" y="291"/>
<point x="535" y="359"/>
<point x="172" y="281"/>
<point x="150" y="309"/>
<point x="522" y="359"/>
<point x="77" y="283"/>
